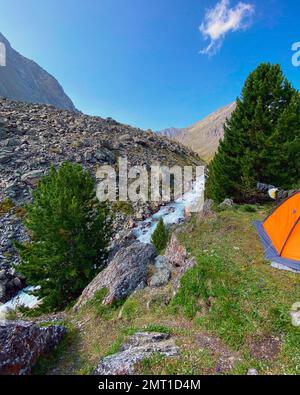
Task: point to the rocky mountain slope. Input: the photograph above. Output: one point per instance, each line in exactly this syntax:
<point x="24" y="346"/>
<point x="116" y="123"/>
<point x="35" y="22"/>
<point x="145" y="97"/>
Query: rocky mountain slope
<point x="204" y="136"/>
<point x="34" y="136"/>
<point x="24" y="80"/>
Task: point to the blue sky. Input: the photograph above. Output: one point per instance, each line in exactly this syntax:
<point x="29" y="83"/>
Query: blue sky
<point x="146" y="63"/>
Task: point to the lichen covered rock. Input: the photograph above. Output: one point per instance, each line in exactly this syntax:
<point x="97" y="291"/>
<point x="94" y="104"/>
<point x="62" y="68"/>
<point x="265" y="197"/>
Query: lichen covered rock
<point x="138" y="347"/>
<point x="22" y="343"/>
<point x="123" y="275"/>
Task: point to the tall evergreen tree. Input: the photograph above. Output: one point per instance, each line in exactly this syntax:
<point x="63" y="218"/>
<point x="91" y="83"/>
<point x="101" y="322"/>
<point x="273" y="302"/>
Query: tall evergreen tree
<point x="70" y="233"/>
<point x="261" y="141"/>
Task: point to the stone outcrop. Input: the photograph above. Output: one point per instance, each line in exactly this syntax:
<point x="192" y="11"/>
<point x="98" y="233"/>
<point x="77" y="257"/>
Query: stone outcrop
<point x="22" y="343"/>
<point x="179" y="259"/>
<point x="162" y="272"/>
<point x="127" y="271"/>
<point x="207" y="210"/>
<point x="227" y="203"/>
<point x="175" y="253"/>
<point x="138" y="347"/>
<point x="11" y="230"/>
<point x="10" y="283"/>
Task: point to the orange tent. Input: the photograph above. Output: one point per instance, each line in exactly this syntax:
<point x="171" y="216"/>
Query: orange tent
<point x="280" y="233"/>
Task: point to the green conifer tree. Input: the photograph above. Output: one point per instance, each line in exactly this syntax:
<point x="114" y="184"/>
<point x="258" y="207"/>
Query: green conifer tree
<point x="160" y="236"/>
<point x="70" y="233"/>
<point x="260" y="139"/>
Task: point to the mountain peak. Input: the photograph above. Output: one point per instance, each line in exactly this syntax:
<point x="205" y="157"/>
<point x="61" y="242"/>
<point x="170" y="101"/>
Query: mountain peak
<point x="204" y="136"/>
<point x="24" y="80"/>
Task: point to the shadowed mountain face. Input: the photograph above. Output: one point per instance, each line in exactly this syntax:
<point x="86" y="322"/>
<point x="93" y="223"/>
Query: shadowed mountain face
<point x="205" y="135"/>
<point x="24" y="80"/>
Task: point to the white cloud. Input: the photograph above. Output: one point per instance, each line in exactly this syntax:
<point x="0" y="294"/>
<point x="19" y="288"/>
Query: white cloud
<point x="222" y="19"/>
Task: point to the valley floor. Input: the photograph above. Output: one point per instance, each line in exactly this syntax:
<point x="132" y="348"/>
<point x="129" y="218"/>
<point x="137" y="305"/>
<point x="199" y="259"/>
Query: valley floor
<point x="231" y="314"/>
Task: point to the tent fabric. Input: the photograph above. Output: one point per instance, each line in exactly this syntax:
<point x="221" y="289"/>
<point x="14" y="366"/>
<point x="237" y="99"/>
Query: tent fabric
<point x="280" y="233"/>
<point x="270" y="251"/>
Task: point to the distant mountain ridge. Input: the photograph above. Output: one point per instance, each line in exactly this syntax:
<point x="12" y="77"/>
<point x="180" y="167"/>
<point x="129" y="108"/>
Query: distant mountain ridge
<point x="24" y="80"/>
<point x="171" y="132"/>
<point x="204" y="136"/>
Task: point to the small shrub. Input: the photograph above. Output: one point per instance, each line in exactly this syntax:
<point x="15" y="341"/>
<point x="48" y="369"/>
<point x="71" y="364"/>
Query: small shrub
<point x="20" y="212"/>
<point x="248" y="208"/>
<point x="123" y="208"/>
<point x="160" y="236"/>
<point x="6" y="206"/>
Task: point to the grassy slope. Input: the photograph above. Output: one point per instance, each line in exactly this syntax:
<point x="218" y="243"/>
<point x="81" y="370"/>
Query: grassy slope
<point x="232" y="312"/>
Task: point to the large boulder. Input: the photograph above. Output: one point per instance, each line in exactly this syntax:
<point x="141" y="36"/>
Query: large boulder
<point x="227" y="203"/>
<point x="207" y="210"/>
<point x="22" y="343"/>
<point x="138" y="347"/>
<point x="124" y="274"/>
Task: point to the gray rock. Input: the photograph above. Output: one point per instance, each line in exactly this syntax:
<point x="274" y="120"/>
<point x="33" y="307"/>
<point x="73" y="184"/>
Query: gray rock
<point x="124" y="273"/>
<point x="207" y="210"/>
<point x="226" y="203"/>
<point x="104" y="155"/>
<point x="11" y="229"/>
<point x="295" y="315"/>
<point x="138" y="347"/>
<point x="22" y="343"/>
<point x="252" y="372"/>
<point x="10" y="284"/>
<point x="121" y="240"/>
<point x="32" y="176"/>
<point x="162" y="272"/>
<point x="175" y="253"/>
<point x="178" y="257"/>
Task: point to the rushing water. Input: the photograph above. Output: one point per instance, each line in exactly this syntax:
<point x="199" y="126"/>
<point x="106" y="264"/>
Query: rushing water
<point x="23" y="298"/>
<point x="172" y="213"/>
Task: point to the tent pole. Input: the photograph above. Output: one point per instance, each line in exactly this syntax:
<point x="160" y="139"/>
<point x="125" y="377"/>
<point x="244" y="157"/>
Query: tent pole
<point x="289" y="235"/>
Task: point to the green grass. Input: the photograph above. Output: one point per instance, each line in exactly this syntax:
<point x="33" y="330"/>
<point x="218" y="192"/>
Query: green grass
<point x="106" y="312"/>
<point x="116" y="345"/>
<point x="232" y="296"/>
<point x="250" y="299"/>
<point x="244" y="302"/>
<point x="157" y="328"/>
<point x="187" y="363"/>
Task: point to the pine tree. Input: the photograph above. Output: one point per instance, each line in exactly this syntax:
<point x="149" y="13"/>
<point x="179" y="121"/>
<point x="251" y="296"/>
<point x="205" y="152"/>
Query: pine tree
<point x="261" y="141"/>
<point x="160" y="236"/>
<point x="70" y="233"/>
